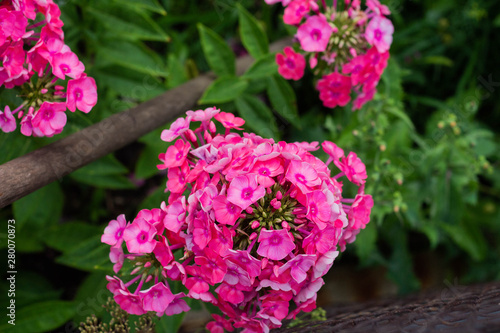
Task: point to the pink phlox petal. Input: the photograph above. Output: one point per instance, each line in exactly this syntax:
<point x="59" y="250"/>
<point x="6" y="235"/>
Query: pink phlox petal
<point x="130" y="303"/>
<point x="177" y="128"/>
<point x="212" y="266"/>
<point x="139" y="236"/>
<point x="117" y="257"/>
<point x="157" y="298"/>
<point x="309" y="290"/>
<point x="324" y="263"/>
<point x="178" y="305"/>
<point x="225" y="212"/>
<point x="299" y="266"/>
<point x="244" y="191"/>
<point x="275" y="244"/>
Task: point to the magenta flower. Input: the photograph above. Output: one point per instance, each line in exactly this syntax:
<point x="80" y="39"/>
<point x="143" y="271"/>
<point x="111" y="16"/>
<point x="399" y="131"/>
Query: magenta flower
<point x="51" y="118"/>
<point x="175" y="155"/>
<point x="177" y="128"/>
<point x="379" y="33"/>
<point x="231" y="294"/>
<point x="244" y="191"/>
<point x="291" y="64"/>
<point x="178" y="305"/>
<point x="299" y="266"/>
<point x="157" y="298"/>
<point x="334" y="89"/>
<point x="226" y="212"/>
<point x="67" y="64"/>
<point x="7" y="120"/>
<point x="275" y="244"/>
<point x="129" y="302"/>
<point x="267" y="170"/>
<point x="82" y="94"/>
<point x="296" y="11"/>
<point x="318" y="209"/>
<point x="314" y="34"/>
<point x="228" y="120"/>
<point x="113" y="233"/>
<point x="360" y="211"/>
<point x="139" y="236"/>
<point x="176" y="215"/>
<point x="302" y="175"/>
<point x="354" y="168"/>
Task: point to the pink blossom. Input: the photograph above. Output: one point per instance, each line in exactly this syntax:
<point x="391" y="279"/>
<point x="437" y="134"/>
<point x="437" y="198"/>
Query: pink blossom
<point x="359" y="214"/>
<point x="379" y="33"/>
<point x="229" y="293"/>
<point x="222" y="240"/>
<point x="13" y="59"/>
<point x="228" y="120"/>
<point x="177" y="128"/>
<point x="82" y="94"/>
<point x="362" y="99"/>
<point x="314" y="34"/>
<point x="334" y="89"/>
<point x="67" y="64"/>
<point x="50" y="118"/>
<point x="244" y="191"/>
<point x="291" y="64"/>
<point x="157" y="298"/>
<point x="296" y="11"/>
<point x="178" y="305"/>
<point x="129" y="302"/>
<point x="219" y="325"/>
<point x="324" y="263"/>
<point x="226" y="212"/>
<point x="378" y="8"/>
<point x="335" y="152"/>
<point x="113" y="233"/>
<point x="309" y="290"/>
<point x="275" y="244"/>
<point x="212" y="266"/>
<point x="377" y="60"/>
<point x="303" y="176"/>
<point x="7" y="120"/>
<point x="139" y="236"/>
<point x="196" y="282"/>
<point x="203" y="115"/>
<point x="318" y="209"/>
<point x="176" y="215"/>
<point x="299" y="266"/>
<point x="177" y="178"/>
<point x="116" y="256"/>
<point x="320" y="241"/>
<point x="175" y="155"/>
<point x="357" y="68"/>
<point x="354" y="168"/>
<point x="266" y="170"/>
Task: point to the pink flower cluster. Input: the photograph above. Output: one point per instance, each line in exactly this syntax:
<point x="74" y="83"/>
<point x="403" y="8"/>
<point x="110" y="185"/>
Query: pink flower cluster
<point x="347" y="48"/>
<point x="257" y="224"/>
<point x="33" y="56"/>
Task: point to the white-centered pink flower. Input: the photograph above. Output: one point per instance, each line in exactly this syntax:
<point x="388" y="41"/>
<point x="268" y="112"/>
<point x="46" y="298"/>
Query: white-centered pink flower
<point x="379" y="33"/>
<point x="314" y="34"/>
<point x="275" y="244"/>
<point x="244" y="191"/>
<point x="50" y="118"/>
<point x="82" y="94"/>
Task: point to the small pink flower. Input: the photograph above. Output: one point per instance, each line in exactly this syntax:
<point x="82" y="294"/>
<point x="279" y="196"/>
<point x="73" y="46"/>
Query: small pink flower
<point x="203" y="115"/>
<point x="314" y="35"/>
<point x="296" y="11"/>
<point x="334" y="89"/>
<point x="320" y="241"/>
<point x="50" y="119"/>
<point x="176" y="215"/>
<point x="244" y="191"/>
<point x="299" y="266"/>
<point x="229" y="293"/>
<point x="265" y="170"/>
<point x="219" y="325"/>
<point x="357" y="68"/>
<point x="129" y="302"/>
<point x="175" y="155"/>
<point x="291" y="64"/>
<point x="113" y="233"/>
<point x="377" y="7"/>
<point x="226" y="212"/>
<point x="362" y="99"/>
<point x="178" y="305"/>
<point x="139" y="236"/>
<point x="157" y="298"/>
<point x="228" y="120"/>
<point x="354" y="168"/>
<point x="379" y="33"/>
<point x="334" y="151"/>
<point x="359" y="214"/>
<point x="13" y="59"/>
<point x="177" y="128"/>
<point x="303" y="176"/>
<point x="318" y="209"/>
<point x="275" y="244"/>
<point x="116" y="256"/>
<point x="177" y="178"/>
<point x="82" y="94"/>
<point x="67" y="64"/>
<point x="7" y="120"/>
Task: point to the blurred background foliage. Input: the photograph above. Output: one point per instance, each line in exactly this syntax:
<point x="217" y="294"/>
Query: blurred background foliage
<point x="429" y="140"/>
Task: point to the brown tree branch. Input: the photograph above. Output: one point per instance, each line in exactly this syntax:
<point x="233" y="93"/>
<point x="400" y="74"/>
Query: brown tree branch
<point x="26" y="174"/>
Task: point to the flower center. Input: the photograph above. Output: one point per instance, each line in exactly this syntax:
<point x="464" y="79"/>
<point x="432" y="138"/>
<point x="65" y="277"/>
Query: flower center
<point x="378" y="34"/>
<point x="246" y="194"/>
<point x="65" y="68"/>
<point x="141" y="238"/>
<point x="275" y="240"/>
<point x="290" y="63"/>
<point x="78" y="94"/>
<point x="49" y="114"/>
<point x="316" y="34"/>
<point x="300" y="178"/>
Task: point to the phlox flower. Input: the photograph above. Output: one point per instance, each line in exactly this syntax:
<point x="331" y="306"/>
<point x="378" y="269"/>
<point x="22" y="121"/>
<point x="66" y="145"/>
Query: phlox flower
<point x="295" y="11"/>
<point x="203" y="115"/>
<point x="176" y="215"/>
<point x="139" y="236"/>
<point x="334" y="89"/>
<point x="113" y="233"/>
<point x="177" y="128"/>
<point x="51" y="118"/>
<point x="379" y="33"/>
<point x="67" y="64"/>
<point x="299" y="266"/>
<point x="82" y="94"/>
<point x="275" y="244"/>
<point x="219" y="325"/>
<point x="302" y="175"/>
<point x="7" y="120"/>
<point x="129" y="302"/>
<point x="244" y="191"/>
<point x="226" y="212"/>
<point x="354" y="168"/>
<point x="314" y="34"/>
<point x="228" y="120"/>
<point x="359" y="214"/>
<point x="157" y="298"/>
<point x="178" y="305"/>
<point x="291" y="64"/>
<point x="175" y="155"/>
<point x="266" y="170"/>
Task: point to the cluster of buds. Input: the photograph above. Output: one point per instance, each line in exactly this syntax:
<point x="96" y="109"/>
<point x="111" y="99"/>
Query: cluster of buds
<point x="256" y="223"/>
<point x="346" y="47"/>
<point x="34" y="58"/>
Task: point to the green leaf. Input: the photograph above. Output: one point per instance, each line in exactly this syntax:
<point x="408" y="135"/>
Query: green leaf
<point x="152" y="5"/>
<point x="89" y="255"/>
<point x="32" y="287"/>
<point x="252" y="35"/>
<point x="257" y="116"/>
<point x="40" y="208"/>
<point x="132" y="56"/>
<point x="90" y="296"/>
<point x="438" y="60"/>
<point x="170" y="323"/>
<point x="264" y="67"/>
<point x="141" y="28"/>
<point x="40" y="317"/>
<point x="366" y="242"/>
<point x="469" y="238"/>
<point x="283" y="99"/>
<point x="224" y="89"/>
<point x="106" y="172"/>
<point x="64" y="237"/>
<point x="219" y="55"/>
<point x="177" y="70"/>
<point x="401" y="115"/>
<point x="14" y="144"/>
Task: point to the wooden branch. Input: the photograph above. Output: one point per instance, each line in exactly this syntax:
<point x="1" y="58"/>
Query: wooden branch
<point x="26" y="174"/>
